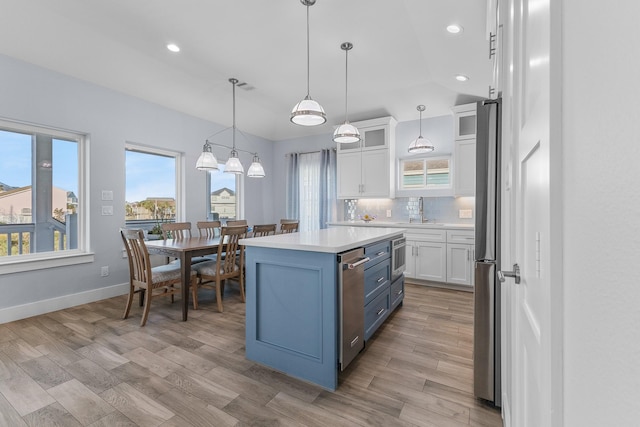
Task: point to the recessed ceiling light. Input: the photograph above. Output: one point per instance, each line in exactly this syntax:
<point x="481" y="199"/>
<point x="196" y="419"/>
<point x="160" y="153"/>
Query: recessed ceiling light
<point x="461" y="78"/>
<point x="173" y="47"/>
<point x="454" y="29"/>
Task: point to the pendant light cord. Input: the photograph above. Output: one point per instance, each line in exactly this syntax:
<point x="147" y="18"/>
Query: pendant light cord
<point x="233" y="83"/>
<point x="308" y="61"/>
<point x="346" y="82"/>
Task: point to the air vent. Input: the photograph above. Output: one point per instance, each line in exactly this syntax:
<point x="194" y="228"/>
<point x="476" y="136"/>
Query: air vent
<point x="245" y="86"/>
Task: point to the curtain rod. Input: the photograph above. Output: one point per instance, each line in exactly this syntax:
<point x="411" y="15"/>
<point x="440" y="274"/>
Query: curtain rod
<point x="311" y="152"/>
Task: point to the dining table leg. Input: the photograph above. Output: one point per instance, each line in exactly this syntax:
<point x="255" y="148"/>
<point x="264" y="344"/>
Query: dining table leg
<point x="185" y="269"/>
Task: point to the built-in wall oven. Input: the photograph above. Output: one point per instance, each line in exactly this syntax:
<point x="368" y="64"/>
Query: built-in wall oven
<point x="398" y="257"/>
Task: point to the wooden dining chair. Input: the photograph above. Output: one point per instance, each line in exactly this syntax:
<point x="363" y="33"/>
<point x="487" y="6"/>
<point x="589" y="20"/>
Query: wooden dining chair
<point x="264" y="230"/>
<point x="176" y="230"/>
<point x="228" y="265"/>
<point x="164" y="280"/>
<point x="234" y="222"/>
<point x="288" y="221"/>
<point x="288" y="227"/>
<point x="208" y="229"/>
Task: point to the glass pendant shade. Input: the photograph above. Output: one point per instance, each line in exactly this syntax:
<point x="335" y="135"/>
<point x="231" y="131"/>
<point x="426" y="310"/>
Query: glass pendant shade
<point x="420" y="145"/>
<point x="233" y="165"/>
<point x="346" y="133"/>
<point x="207" y="161"/>
<point x="255" y="170"/>
<point x="308" y="113"/>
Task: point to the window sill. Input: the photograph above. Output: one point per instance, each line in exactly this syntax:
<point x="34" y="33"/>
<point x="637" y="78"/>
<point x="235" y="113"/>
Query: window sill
<point x="20" y="263"/>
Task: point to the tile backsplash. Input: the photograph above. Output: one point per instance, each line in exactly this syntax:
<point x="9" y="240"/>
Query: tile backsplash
<point x="436" y="209"/>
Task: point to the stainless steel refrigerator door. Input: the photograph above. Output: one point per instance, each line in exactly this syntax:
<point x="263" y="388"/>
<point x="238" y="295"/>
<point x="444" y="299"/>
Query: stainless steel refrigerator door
<point x="484" y="331"/>
<point x="487" y="175"/>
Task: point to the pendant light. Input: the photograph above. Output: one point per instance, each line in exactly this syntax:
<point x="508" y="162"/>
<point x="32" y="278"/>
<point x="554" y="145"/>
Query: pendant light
<point x="346" y="132"/>
<point x="308" y="112"/>
<point x="207" y="161"/>
<point x="233" y="165"/>
<point x="420" y="145"/>
<point x="255" y="170"/>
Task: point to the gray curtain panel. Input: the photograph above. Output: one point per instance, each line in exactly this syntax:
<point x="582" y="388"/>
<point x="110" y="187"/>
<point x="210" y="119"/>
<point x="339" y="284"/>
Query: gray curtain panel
<point x="293" y="186"/>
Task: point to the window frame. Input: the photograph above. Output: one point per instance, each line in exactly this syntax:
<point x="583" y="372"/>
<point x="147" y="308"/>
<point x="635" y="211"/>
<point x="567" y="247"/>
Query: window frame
<point x="239" y="192"/>
<point x="178" y="156"/>
<point x="425" y="185"/>
<point x="51" y="259"/>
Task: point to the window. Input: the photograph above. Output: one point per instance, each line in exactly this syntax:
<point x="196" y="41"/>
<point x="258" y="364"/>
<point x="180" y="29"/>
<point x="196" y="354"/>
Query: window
<point x="151" y="189"/>
<point x="224" y="201"/>
<point x="427" y="173"/>
<point x="42" y="201"/>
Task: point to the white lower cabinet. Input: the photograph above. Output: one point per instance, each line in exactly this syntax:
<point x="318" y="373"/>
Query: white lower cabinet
<point x="460" y="264"/>
<point x="426" y="255"/>
<point x="440" y="255"/>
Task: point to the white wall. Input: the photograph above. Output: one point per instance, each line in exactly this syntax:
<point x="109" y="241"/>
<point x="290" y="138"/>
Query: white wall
<point x="36" y="95"/>
<point x="601" y="154"/>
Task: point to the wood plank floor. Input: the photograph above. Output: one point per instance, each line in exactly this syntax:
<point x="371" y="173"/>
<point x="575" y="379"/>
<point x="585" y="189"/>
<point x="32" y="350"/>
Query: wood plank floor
<point x="85" y="366"/>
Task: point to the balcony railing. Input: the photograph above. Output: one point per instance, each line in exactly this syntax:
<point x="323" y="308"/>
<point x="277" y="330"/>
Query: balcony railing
<point x="17" y="239"/>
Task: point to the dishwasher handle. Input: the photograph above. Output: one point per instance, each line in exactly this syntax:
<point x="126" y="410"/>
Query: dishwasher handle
<point x="353" y="265"/>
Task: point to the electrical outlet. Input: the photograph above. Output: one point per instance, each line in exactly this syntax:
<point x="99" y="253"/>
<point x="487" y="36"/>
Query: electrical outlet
<point x="388" y="213"/>
<point x="465" y="213"/>
<point x="104" y="271"/>
<point x="107" y="210"/>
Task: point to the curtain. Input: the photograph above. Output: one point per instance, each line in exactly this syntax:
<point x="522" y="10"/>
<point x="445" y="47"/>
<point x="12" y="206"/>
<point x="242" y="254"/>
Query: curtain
<point x="328" y="187"/>
<point x="292" y="187"/>
<point x="311" y="188"/>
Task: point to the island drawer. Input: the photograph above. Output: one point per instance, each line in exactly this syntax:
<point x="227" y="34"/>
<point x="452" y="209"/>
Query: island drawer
<point x="377" y="252"/>
<point x="397" y="292"/>
<point x="375" y="313"/>
<point x="376" y="279"/>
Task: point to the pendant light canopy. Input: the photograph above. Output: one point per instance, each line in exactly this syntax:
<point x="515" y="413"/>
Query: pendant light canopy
<point x="346" y="132"/>
<point x="308" y="112"/>
<point x="207" y="161"/>
<point x="420" y="145"/>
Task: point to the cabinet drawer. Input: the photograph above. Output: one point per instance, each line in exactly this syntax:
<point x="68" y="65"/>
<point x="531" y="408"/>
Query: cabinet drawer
<point x="376" y="279"/>
<point x="427" y="235"/>
<point x="397" y="292"/>
<point x="377" y="252"/>
<point x="466" y="237"/>
<point x="375" y="313"/>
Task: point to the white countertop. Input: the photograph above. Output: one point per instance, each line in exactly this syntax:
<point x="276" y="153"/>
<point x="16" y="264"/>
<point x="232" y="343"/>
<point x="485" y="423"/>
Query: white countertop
<point x="329" y="240"/>
<point x="405" y="225"/>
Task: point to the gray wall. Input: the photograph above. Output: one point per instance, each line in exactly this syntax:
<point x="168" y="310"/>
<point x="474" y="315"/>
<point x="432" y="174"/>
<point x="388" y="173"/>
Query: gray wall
<point x="39" y="96"/>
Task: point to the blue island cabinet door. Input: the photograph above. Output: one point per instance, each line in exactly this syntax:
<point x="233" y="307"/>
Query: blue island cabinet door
<point x="292" y="313"/>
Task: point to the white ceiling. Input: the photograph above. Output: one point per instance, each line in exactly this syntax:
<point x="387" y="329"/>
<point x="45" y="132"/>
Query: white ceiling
<point x="402" y="55"/>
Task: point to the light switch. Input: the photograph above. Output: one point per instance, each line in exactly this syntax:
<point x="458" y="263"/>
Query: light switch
<point x="466" y="213"/>
<point x="107" y="195"/>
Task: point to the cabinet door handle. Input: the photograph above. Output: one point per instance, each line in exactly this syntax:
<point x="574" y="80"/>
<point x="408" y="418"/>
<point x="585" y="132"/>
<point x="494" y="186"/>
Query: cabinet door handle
<point x="381" y="279"/>
<point x="381" y="253"/>
<point x="380" y="311"/>
<point x="399" y="292"/>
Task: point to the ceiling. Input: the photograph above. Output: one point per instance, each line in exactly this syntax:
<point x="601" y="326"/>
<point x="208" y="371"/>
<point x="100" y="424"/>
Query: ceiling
<point x="402" y="54"/>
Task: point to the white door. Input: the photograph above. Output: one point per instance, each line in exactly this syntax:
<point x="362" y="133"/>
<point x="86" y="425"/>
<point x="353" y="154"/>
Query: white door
<point x="532" y="357"/>
<point x="349" y="175"/>
<point x="459" y="264"/>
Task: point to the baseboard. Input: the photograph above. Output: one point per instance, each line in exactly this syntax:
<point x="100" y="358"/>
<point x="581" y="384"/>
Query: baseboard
<point x="23" y="311"/>
<point x="442" y="285"/>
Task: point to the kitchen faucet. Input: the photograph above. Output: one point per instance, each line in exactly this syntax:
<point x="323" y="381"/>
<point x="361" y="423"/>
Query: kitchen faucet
<point x="420" y="211"/>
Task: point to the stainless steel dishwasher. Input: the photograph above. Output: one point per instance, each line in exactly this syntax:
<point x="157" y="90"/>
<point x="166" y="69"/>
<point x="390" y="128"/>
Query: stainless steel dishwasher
<point x="351" y="294"/>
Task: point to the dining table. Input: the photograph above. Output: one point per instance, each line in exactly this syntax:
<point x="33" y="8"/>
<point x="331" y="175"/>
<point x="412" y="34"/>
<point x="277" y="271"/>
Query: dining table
<point x="184" y="249"/>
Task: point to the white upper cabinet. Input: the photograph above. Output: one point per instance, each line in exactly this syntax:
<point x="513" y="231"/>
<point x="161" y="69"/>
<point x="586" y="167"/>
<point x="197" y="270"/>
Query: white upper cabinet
<point x="366" y="168"/>
<point x="464" y="176"/>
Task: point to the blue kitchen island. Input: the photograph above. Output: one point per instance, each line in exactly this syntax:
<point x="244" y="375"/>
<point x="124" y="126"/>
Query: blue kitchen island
<point x="293" y="300"/>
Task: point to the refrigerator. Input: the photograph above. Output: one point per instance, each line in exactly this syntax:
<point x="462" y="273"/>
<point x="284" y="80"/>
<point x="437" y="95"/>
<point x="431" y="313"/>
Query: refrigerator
<point x="486" y="357"/>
